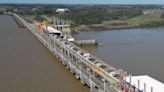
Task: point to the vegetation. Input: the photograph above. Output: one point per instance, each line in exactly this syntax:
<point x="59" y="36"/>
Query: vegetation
<point x="39" y="18"/>
<point x="146" y="20"/>
<point x="84" y="15"/>
<point x="162" y="15"/>
<point x="96" y="16"/>
<point x="1" y="12"/>
<point x="88" y="16"/>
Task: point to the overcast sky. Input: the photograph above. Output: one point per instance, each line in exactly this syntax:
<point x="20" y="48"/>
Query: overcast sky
<point x="86" y="1"/>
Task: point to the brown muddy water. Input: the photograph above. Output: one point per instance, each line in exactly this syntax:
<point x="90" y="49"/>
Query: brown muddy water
<point x="27" y="66"/>
<point x="138" y="51"/>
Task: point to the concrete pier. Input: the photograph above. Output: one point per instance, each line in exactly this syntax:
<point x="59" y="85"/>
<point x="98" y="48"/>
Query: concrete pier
<point x="86" y="42"/>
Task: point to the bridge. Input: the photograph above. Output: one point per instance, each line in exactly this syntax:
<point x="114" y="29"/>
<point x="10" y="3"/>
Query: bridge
<point x="91" y="71"/>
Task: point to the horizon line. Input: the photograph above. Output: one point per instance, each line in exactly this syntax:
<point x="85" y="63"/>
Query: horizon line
<point x="76" y="4"/>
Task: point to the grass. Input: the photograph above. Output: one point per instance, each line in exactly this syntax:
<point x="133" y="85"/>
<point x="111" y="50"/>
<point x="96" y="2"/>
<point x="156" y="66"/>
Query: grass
<point x="145" y="19"/>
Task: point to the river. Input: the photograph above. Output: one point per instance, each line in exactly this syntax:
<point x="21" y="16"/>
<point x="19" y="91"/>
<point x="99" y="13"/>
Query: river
<point x="27" y="66"/>
<point x="139" y="51"/>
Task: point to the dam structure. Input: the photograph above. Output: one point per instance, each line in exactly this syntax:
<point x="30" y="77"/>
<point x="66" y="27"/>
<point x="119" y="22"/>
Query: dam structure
<point x="96" y="74"/>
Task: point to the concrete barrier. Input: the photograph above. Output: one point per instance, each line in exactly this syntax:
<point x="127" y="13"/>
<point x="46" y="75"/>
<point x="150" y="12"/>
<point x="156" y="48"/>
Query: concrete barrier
<point x="86" y="42"/>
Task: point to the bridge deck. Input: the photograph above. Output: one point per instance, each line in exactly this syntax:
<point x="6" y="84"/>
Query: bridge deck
<point x="92" y="71"/>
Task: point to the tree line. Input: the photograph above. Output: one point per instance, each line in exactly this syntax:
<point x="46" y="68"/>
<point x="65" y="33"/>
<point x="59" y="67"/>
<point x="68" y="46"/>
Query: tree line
<point x="85" y="15"/>
<point x="98" y="15"/>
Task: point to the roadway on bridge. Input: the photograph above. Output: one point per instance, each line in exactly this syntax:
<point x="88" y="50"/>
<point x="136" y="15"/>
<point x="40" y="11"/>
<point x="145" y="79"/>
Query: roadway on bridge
<point x="27" y="66"/>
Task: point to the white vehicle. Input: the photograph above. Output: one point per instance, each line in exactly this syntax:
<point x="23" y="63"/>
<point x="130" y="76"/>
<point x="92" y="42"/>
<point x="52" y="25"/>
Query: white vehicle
<point x="79" y="52"/>
<point x="53" y="31"/>
<point x="113" y="74"/>
<point x="69" y="45"/>
<point x="71" y="39"/>
<point x="99" y="64"/>
<point x="86" y="55"/>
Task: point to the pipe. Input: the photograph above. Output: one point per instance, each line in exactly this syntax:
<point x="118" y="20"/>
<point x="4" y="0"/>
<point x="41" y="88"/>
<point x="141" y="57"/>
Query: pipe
<point x="138" y="85"/>
<point x="130" y="82"/>
<point x="151" y="89"/>
<point x="144" y="87"/>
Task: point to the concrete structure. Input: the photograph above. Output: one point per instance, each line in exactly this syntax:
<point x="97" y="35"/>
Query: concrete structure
<point x="64" y="27"/>
<point x="90" y="70"/>
<point x="86" y="42"/>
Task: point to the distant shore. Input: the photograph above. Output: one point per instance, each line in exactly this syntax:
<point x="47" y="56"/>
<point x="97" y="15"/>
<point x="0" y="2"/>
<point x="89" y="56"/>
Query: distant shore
<point x="101" y="27"/>
<point x="110" y="28"/>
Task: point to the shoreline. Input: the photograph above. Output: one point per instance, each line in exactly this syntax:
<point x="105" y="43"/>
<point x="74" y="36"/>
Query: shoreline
<point x="85" y="28"/>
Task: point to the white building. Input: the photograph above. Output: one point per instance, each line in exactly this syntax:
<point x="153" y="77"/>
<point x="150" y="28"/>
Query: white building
<point x="61" y="10"/>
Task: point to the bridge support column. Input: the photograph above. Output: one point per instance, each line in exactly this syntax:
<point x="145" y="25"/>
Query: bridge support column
<point x="104" y="85"/>
<point x="80" y="65"/>
<point x="69" y="61"/>
<point x="90" y="79"/>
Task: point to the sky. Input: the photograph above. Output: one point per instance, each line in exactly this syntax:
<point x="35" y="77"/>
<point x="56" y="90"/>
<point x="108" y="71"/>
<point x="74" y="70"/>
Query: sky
<point x="86" y="1"/>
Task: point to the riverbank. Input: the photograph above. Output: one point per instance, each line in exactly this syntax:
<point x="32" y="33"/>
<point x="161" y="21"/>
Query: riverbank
<point x="100" y="27"/>
<point x="148" y="20"/>
<point x="109" y="28"/>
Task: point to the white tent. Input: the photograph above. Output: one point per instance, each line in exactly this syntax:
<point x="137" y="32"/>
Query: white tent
<point x="149" y="81"/>
<point x="52" y="30"/>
